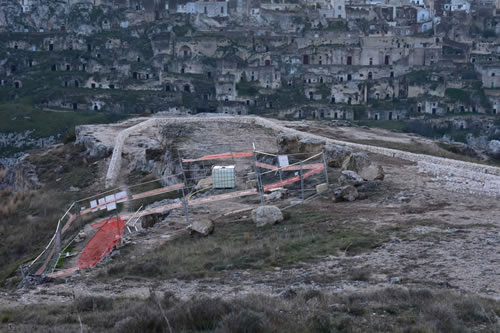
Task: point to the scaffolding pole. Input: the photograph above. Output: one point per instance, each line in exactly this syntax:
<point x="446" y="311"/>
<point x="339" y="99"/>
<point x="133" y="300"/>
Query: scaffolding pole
<point x="326" y="168"/>
<point x="301" y="182"/>
<point x="184" y="203"/>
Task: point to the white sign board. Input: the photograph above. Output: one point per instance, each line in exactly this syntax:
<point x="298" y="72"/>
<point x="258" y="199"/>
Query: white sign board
<point x="121" y="196"/>
<point x="93" y="205"/>
<point x="283" y="160"/>
<point x="111" y="203"/>
<point x="102" y="204"/>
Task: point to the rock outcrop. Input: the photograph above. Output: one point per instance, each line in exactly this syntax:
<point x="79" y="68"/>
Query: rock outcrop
<point x="311" y="145"/>
<point x="265" y="215"/>
<point x="94" y="149"/>
<point x="21" y="176"/>
<point x="288" y="143"/>
<point x="363" y="166"/>
<point x="336" y="155"/>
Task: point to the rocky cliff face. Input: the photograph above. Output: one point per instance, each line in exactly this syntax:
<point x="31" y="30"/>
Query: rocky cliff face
<point x="24" y="139"/>
<point x="50" y="15"/>
<point x="10" y="12"/>
<point x="21" y="176"/>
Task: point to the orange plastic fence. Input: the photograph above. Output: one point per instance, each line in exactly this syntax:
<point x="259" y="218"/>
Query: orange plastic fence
<point x="294" y="179"/>
<point x="110" y="232"/>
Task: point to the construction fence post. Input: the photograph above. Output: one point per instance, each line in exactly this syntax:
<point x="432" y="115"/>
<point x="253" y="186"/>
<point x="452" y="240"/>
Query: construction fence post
<point x="279" y="168"/>
<point x="57" y="246"/>
<point x="231" y="152"/>
<point x="301" y="182"/>
<point x="184" y="203"/>
<point x="182" y="168"/>
<point x="257" y="177"/>
<point x="326" y="168"/>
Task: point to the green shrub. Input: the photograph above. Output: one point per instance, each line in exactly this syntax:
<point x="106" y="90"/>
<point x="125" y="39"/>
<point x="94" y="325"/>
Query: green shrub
<point x="244" y="321"/>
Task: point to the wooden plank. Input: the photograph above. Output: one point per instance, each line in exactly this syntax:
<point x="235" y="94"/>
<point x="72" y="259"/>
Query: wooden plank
<point x="219" y="197"/>
<point x="294" y="167"/>
<point x="157" y="191"/>
<point x="219" y="157"/>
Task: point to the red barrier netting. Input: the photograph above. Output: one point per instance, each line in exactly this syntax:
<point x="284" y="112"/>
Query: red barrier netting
<point x="103" y="241"/>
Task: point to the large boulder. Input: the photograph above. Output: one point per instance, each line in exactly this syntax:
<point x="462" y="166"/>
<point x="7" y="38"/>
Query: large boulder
<point x="265" y="215"/>
<point x="311" y="145"/>
<point x="291" y="144"/>
<point x="345" y="193"/>
<point x="494" y="148"/>
<point x="288" y="143"/>
<point x="363" y="166"/>
<point x="335" y="155"/>
<point x="349" y="177"/>
<point x="202" y="227"/>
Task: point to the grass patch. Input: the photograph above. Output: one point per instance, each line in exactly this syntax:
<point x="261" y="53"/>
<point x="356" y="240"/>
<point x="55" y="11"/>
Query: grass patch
<point x="385" y="310"/>
<point x="21" y="117"/>
<point x="305" y="235"/>
<point x="459" y="95"/>
<point x="395" y="125"/>
<point x="34" y="215"/>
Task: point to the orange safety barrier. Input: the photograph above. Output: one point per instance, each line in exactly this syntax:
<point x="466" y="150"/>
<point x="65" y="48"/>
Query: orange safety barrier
<point x="293" y="179"/>
<point x="221" y="197"/>
<point x="40" y="271"/>
<point x="294" y="167"/>
<point x="64" y="272"/>
<point x="157" y="191"/>
<point x="218" y="157"/>
<point x="103" y="242"/>
<point x="68" y="224"/>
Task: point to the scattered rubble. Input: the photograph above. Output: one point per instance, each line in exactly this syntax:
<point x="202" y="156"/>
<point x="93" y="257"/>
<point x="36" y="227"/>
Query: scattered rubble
<point x="349" y="177"/>
<point x="345" y="193"/>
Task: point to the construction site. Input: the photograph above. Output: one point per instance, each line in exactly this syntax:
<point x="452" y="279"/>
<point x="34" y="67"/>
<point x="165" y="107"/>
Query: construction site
<point x="225" y="207"/>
